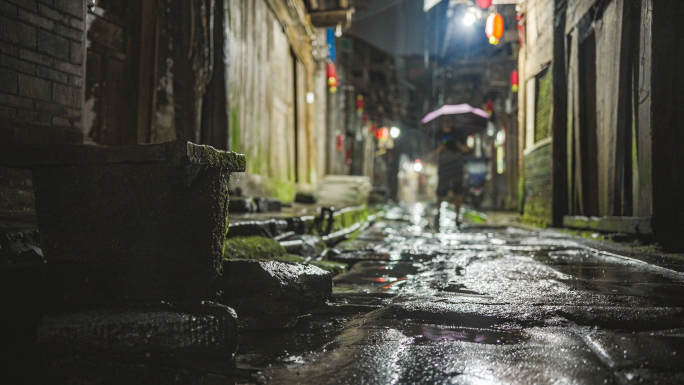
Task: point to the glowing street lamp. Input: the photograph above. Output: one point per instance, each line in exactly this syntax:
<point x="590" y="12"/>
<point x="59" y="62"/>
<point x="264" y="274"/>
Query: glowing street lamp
<point x="417" y="166"/>
<point x="394" y="132"/>
<point x="469" y="18"/>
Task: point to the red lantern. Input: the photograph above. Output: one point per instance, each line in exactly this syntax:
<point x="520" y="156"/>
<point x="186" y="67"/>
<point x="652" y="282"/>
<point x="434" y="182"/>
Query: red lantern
<point x="484" y="4"/>
<point x="514" y="81"/>
<point x="521" y="28"/>
<point x="489" y="107"/>
<point x="382" y="133"/>
<point x="340" y="142"/>
<point x="331" y="72"/>
<point x="494" y="28"/>
<point x="359" y="104"/>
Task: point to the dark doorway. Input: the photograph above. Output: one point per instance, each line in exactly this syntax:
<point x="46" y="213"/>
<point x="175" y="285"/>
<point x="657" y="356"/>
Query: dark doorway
<point x="112" y="70"/>
<point x="588" y="125"/>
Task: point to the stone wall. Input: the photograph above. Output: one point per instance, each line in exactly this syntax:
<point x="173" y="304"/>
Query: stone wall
<point x="41" y="68"/>
<point x="535" y="111"/>
<point x="41" y="84"/>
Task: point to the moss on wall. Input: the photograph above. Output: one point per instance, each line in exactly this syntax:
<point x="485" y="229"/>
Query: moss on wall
<point x="544" y="105"/>
<point x="538" y="193"/>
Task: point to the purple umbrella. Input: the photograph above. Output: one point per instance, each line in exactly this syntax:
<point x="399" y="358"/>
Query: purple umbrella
<point x="465" y="117"/>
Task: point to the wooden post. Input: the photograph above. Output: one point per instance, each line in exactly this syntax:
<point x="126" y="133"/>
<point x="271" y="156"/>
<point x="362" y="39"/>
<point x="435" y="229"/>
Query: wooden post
<point x="559" y="167"/>
<point x="667" y="121"/>
<point x="215" y="126"/>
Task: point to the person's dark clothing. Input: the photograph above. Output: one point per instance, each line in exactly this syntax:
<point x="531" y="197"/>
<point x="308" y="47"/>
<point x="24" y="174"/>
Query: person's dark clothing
<point x="450" y="165"/>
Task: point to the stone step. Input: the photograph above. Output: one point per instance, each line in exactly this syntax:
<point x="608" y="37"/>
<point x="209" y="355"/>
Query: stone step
<point x="304" y="285"/>
<point x="150" y="218"/>
<point x="162" y="329"/>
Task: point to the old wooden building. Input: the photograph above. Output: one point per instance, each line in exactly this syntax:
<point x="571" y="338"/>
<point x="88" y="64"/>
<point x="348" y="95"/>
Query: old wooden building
<point x="248" y="76"/>
<point x="600" y="115"/>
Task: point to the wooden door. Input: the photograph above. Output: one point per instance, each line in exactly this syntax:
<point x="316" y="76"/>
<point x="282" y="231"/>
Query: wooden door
<point x="112" y="72"/>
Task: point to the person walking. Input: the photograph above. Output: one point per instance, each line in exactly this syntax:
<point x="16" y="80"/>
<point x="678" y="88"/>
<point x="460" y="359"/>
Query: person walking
<point x="450" y="149"/>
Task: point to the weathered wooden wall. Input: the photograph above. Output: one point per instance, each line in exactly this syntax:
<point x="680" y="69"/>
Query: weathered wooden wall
<point x="643" y="197"/>
<point x="605" y="58"/>
<point x="608" y="34"/>
<point x="322" y="135"/>
<point x="270" y="73"/>
<point x="621" y="153"/>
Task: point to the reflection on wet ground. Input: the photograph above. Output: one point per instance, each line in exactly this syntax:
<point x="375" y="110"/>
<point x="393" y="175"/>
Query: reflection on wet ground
<point x="437" y="333"/>
<point x="480" y="305"/>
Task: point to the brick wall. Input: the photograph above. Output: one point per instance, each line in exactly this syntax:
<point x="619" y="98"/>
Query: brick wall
<point x="41" y="66"/>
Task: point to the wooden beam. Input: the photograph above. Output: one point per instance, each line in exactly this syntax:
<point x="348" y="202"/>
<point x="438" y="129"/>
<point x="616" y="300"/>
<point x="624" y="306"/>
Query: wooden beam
<point x="559" y="131"/>
<point x="322" y="19"/>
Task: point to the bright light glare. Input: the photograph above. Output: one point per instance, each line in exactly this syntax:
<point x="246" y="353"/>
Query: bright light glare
<point x="470" y="142"/>
<point x="469" y="18"/>
<point x="417" y="167"/>
<point x="500" y="138"/>
<point x="310" y="97"/>
<point x="394" y="132"/>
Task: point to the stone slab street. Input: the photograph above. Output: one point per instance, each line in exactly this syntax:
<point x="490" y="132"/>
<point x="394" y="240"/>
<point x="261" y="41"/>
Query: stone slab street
<point x="482" y="305"/>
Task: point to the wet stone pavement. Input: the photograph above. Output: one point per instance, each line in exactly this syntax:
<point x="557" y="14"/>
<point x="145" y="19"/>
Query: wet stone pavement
<point x="480" y="305"/>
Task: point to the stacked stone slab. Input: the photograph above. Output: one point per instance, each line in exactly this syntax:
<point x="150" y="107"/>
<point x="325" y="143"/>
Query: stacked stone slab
<point x="150" y="218"/>
<point x="131" y="237"/>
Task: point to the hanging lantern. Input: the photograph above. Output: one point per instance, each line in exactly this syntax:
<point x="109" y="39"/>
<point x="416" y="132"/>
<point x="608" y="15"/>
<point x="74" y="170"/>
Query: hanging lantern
<point x="489" y="107"/>
<point x="331" y="72"/>
<point x="340" y="142"/>
<point x="382" y="134"/>
<point x="484" y="4"/>
<point x="521" y="28"/>
<point x="359" y="104"/>
<point x="514" y="81"/>
<point x="494" y="28"/>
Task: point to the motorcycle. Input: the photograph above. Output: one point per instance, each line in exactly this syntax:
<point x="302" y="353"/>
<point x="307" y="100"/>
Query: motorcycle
<point x="476" y="170"/>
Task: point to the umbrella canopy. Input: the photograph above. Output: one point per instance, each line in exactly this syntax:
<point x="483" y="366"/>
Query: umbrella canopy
<point x="465" y="117"/>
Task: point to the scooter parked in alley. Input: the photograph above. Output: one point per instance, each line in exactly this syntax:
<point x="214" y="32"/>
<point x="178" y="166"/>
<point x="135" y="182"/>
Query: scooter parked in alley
<point x="476" y="175"/>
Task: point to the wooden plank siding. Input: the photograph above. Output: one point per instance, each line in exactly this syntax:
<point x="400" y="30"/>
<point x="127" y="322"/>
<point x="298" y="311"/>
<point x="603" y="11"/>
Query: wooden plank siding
<point x="613" y="167"/>
<point x="643" y="199"/>
<point x="608" y="32"/>
<point x="270" y="72"/>
<point x="621" y="157"/>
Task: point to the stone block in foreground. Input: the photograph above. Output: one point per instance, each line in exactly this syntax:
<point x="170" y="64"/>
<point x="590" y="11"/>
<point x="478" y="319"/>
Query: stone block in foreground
<point x="161" y="329"/>
<point x="150" y="218"/>
<point x="302" y="285"/>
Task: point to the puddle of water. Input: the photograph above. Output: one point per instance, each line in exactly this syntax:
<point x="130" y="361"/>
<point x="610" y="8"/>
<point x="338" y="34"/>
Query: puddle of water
<point x="437" y="333"/>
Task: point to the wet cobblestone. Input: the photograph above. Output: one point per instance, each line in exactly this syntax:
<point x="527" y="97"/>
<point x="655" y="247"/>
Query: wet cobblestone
<point x="487" y="304"/>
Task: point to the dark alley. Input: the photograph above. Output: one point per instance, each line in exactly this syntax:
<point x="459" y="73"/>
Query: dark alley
<point x="341" y="192"/>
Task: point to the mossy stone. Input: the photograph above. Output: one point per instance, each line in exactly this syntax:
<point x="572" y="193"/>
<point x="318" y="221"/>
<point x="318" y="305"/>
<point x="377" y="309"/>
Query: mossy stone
<point x="257" y="248"/>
